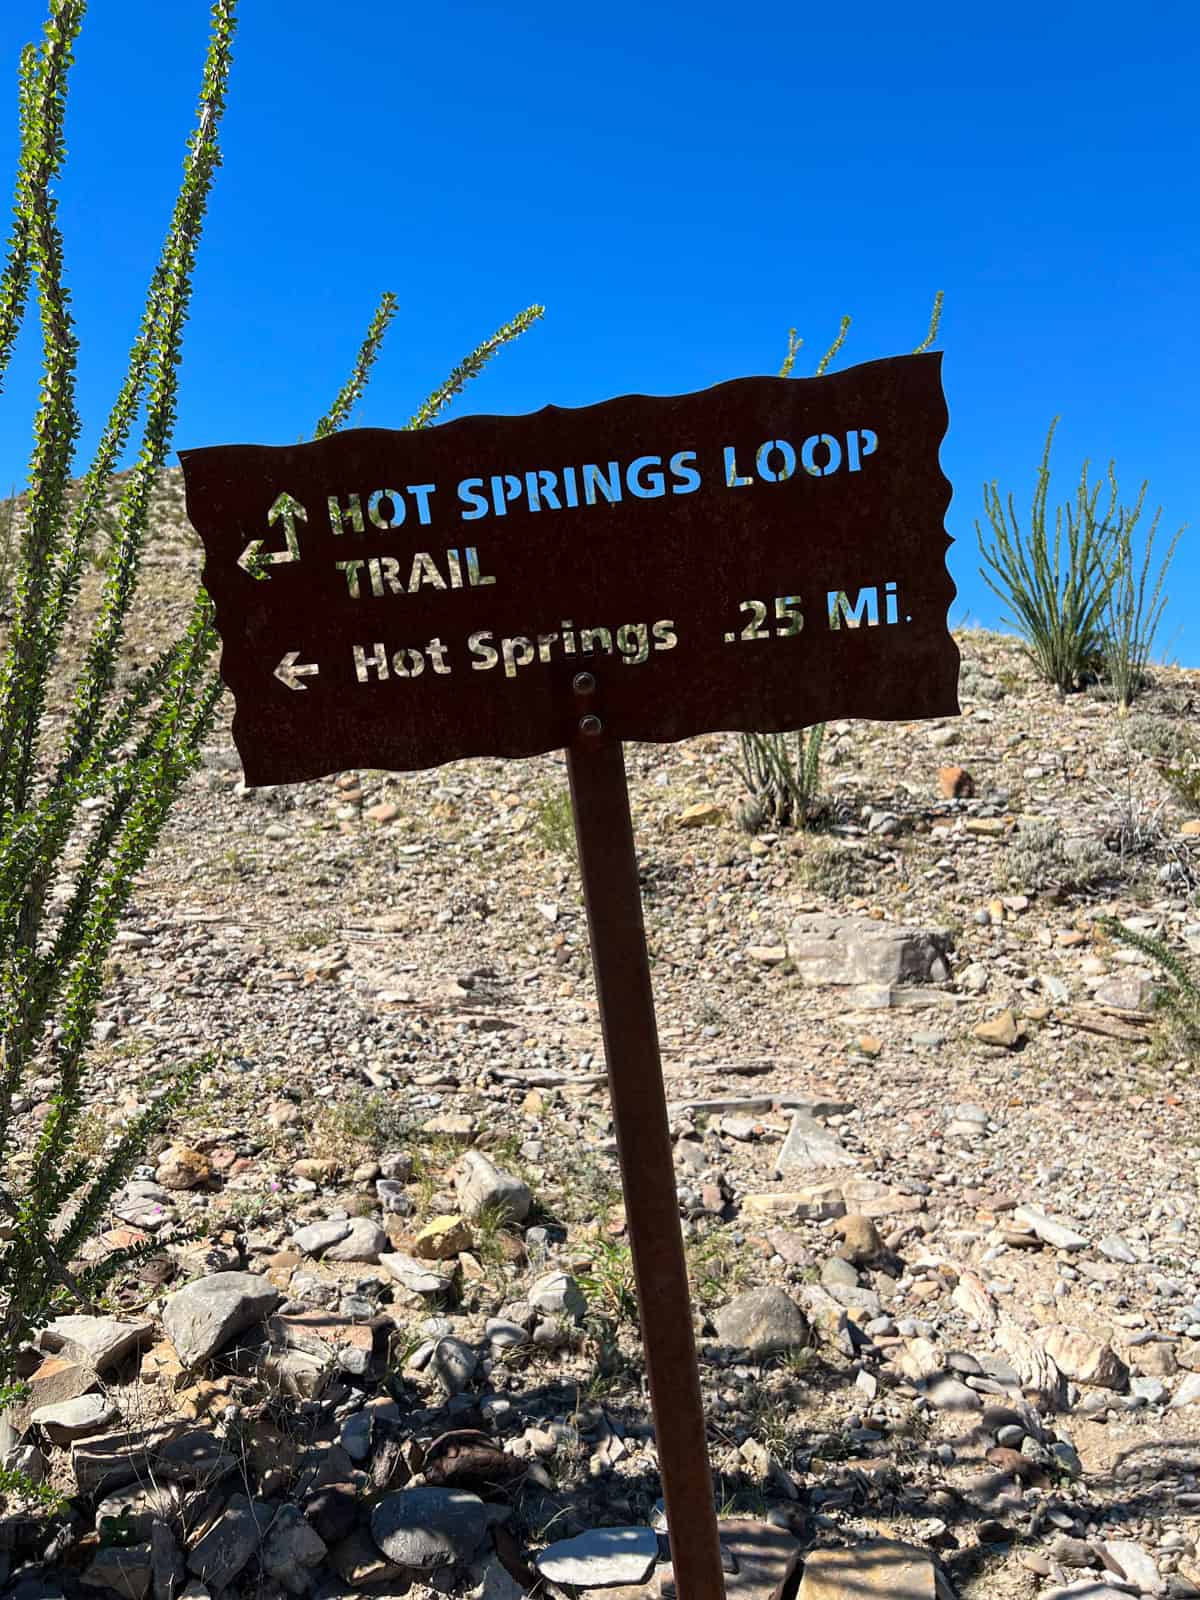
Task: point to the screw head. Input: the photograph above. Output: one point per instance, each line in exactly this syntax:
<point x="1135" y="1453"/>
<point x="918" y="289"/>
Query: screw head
<point x="590" y="726"/>
<point x="584" y="683"/>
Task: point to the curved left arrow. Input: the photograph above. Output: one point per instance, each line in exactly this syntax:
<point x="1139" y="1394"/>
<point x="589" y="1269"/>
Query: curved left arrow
<point x="288" y="510"/>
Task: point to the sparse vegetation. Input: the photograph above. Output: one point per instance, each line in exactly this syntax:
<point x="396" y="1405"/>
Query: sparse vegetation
<point x="1056" y="585"/>
<point x="782" y="777"/>
<point x="1081" y="598"/>
<point x="1131" y="615"/>
<point x="1042" y="857"/>
<point x="554" y="821"/>
<point x="361" y="1124"/>
<point x="608" y="1282"/>
<point x="1178" y="1000"/>
<point x="835" y="871"/>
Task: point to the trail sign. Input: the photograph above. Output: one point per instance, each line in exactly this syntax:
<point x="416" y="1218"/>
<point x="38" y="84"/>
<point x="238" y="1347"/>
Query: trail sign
<point x="760" y="556"/>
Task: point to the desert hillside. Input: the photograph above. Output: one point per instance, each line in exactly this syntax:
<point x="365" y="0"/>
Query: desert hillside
<point x="936" y="1155"/>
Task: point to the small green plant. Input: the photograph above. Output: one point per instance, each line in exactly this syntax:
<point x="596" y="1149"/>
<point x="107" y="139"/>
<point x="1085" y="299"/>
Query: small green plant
<point x="363" y="1122"/>
<point x="554" y="821"/>
<point x="1178" y="1001"/>
<point x="716" y="1267"/>
<point x="1057" y="585"/>
<point x="1131" y="615"/>
<point x="608" y="1282"/>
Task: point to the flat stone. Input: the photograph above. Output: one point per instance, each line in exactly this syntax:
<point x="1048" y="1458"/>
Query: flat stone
<point x="763" y="1322"/>
<point x="205" y="1315"/>
<point x="56" y="1380"/>
<point x="1131" y="991"/>
<point x="425" y="1529"/>
<point x="601" y="1557"/>
<point x="858" y="950"/>
<point x="125" y="1570"/>
<point x="556" y="1294"/>
<point x="454" y="1364"/>
<point x="180" y="1167"/>
<point x="331" y="1341"/>
<point x="140" y="1507"/>
<point x="879" y="1568"/>
<point x="226" y="1548"/>
<point x="1135" y="1564"/>
<point x="317" y="1237"/>
<point x="1050" y="1230"/>
<point x="416" y="1276"/>
<point x="1001" y="1030"/>
<point x="74" y="1419"/>
<point x="365" y="1241"/>
<point x="454" y="1127"/>
<point x="1115" y="1248"/>
<point x="98" y="1342"/>
<point x="809" y="1145"/>
<point x="167" y="1569"/>
<point x="762" y="1558"/>
<point x="291" y="1550"/>
<point x="951" y="1394"/>
<point x="812" y="1202"/>
<point x="1188" y="1392"/>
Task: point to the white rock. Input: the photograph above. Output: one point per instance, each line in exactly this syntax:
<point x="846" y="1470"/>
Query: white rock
<point x="601" y="1557"/>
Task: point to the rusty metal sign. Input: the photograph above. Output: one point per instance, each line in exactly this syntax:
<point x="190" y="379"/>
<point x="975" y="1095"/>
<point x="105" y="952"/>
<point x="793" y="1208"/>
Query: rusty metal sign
<point x="762" y="555"/>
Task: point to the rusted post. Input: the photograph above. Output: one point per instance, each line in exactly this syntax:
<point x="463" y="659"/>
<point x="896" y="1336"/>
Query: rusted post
<point x="604" y="831"/>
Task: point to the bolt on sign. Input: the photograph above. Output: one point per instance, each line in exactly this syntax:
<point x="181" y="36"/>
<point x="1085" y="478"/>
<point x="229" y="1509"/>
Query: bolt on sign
<point x="760" y="556"/>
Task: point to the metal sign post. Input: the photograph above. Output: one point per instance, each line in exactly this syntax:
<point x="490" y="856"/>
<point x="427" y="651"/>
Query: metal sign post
<point x="761" y="556"/>
<point x="608" y="864"/>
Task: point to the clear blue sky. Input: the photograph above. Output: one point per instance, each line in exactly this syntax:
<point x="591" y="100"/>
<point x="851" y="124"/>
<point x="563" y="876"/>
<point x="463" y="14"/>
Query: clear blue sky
<point x="678" y="185"/>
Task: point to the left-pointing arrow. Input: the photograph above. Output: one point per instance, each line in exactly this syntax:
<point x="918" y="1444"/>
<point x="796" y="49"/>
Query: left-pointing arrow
<point x="290" y="674"/>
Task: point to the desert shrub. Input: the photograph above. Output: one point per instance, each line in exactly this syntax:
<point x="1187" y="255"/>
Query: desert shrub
<point x="1056" y="585"/>
<point x="554" y="821"/>
<point x="837" y="871"/>
<point x="1134" y="607"/>
<point x="781" y="771"/>
<point x="1176" y="752"/>
<point x="360" y="1124"/>
<point x="1085" y="600"/>
<point x="781" y="774"/>
<point x="1041" y="857"/>
<point x="95" y="787"/>
<point x="1177" y="1001"/>
<point x="1157" y="737"/>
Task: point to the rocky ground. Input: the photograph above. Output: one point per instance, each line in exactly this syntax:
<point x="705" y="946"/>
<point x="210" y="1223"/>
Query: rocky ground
<point x="936" y="1158"/>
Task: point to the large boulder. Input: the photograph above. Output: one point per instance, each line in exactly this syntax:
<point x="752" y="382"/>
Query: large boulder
<point x="859" y="950"/>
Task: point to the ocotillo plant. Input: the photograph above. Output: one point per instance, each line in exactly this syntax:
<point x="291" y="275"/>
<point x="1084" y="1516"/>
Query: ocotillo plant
<point x="130" y="739"/>
<point x="782" y="782"/>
